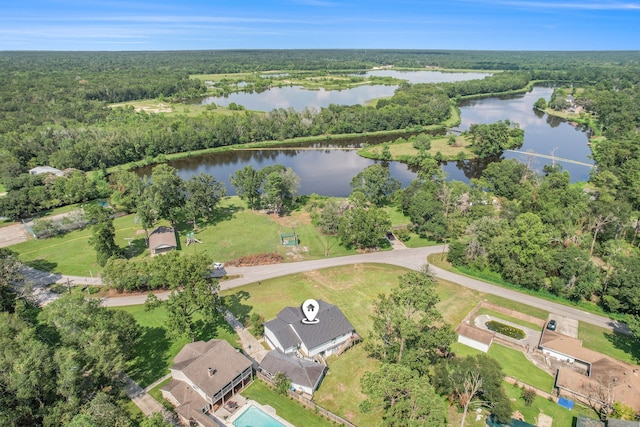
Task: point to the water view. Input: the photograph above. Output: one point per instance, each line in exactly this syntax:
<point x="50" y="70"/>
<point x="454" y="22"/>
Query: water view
<point x="426" y="76"/>
<point x="543" y="135"/>
<point x="327" y="168"/>
<point x="298" y="98"/>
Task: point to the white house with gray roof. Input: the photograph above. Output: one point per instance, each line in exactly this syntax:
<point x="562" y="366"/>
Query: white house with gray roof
<point x="305" y="376"/>
<point x="289" y="334"/>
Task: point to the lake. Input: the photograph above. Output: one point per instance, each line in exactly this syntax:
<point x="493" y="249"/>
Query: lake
<point x="298" y="98"/>
<point x="327" y="168"/>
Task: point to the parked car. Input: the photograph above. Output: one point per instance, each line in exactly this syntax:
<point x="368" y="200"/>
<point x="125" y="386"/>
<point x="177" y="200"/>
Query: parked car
<point x="551" y="325"/>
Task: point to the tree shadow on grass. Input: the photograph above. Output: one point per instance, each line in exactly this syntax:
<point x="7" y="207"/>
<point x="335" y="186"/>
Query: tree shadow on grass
<point x="234" y="303"/>
<point x="626" y="343"/>
<point x="149" y="363"/>
<point x="42" y="265"/>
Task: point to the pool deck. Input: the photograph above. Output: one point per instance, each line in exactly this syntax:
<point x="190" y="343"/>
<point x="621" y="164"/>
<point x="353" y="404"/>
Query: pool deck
<point x="265" y="408"/>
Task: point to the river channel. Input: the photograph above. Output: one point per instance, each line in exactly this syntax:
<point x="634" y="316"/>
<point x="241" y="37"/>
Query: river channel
<point x="327" y="168"/>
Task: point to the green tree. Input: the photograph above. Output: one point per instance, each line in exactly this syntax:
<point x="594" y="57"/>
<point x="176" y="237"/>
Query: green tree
<point x="194" y="304"/>
<point x="329" y="218"/>
<point x="280" y="189"/>
<point x="10" y="272"/>
<point x="103" y="233"/>
<point x="523" y="252"/>
<point x="407" y="326"/>
<point x="376" y="183"/>
<point x="406" y="398"/>
<point x="203" y="196"/>
<point x="363" y="227"/>
<point x="248" y="185"/>
<point x="167" y="192"/>
<point x="281" y="383"/>
<point x="127" y="188"/>
<point x="101" y="411"/>
<point x="473" y="380"/>
<point x="540" y="104"/>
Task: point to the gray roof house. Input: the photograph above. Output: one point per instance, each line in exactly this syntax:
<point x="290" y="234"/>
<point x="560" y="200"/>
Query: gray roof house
<point x="162" y="240"/>
<point x="205" y="375"/>
<point x="330" y="335"/>
<point x="304" y="375"/>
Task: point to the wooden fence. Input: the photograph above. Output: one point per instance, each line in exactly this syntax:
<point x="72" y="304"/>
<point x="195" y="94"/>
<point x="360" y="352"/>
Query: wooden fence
<point x="310" y="404"/>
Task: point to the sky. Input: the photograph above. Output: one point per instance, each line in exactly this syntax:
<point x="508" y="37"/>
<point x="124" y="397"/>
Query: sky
<point x="318" y="24"/>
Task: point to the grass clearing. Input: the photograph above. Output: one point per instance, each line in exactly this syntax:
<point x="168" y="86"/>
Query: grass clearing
<point x="612" y="344"/>
<point x="285" y="407"/>
<point x="515" y="364"/>
<point x="561" y="416"/>
<point x="230" y="235"/>
<point x="71" y="253"/>
<point x="155" y="352"/>
<point x="404" y="150"/>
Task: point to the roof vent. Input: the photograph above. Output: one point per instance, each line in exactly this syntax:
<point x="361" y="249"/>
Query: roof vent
<point x="211" y="372"/>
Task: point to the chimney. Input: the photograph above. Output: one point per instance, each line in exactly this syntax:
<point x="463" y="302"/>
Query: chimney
<point x="211" y="371"/>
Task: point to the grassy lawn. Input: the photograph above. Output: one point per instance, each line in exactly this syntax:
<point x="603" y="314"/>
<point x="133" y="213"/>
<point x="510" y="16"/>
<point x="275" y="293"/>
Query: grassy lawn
<point x="285" y="407"/>
<point x="514" y="364"/>
<point x="353" y="288"/>
<point x="561" y="416"/>
<point x="231" y="235"/>
<point x="156" y="393"/>
<point x="404" y="150"/>
<point x="71" y="253"/>
<point x="340" y="389"/>
<point x="239" y="231"/>
<point x="610" y="343"/>
<point x="156" y="350"/>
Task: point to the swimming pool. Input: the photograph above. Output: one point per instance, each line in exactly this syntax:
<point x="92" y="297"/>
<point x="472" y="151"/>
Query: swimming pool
<point x="256" y="417"/>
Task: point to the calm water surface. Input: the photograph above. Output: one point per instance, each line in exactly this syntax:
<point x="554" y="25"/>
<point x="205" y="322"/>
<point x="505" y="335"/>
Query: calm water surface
<point x="543" y="134"/>
<point x="327" y="168"/>
<point x="426" y="76"/>
<point x="298" y="98"/>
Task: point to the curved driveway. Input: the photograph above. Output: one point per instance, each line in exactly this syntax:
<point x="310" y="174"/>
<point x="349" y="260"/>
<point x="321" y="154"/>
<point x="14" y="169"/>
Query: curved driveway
<point x="409" y="258"/>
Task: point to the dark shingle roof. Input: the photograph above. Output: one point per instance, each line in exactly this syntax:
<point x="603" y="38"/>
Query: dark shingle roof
<point x="332" y="324"/>
<point x="283" y="332"/>
<point x="299" y="371"/>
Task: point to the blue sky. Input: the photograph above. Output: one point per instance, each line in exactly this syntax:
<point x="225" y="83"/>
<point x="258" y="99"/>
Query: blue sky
<point x="297" y="24"/>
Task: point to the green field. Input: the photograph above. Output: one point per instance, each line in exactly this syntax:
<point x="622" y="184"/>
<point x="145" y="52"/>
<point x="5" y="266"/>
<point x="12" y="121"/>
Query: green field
<point x="405" y="150"/>
<point x="230" y="235"/>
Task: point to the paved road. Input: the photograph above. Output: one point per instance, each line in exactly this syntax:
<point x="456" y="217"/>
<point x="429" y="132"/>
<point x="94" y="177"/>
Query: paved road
<point x="409" y="258"/>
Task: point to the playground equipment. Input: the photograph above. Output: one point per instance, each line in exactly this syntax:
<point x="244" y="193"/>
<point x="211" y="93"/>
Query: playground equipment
<point x="289" y="239"/>
<point x="191" y="238"/>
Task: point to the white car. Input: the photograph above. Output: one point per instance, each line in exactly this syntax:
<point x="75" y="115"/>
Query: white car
<point x="218" y="266"/>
